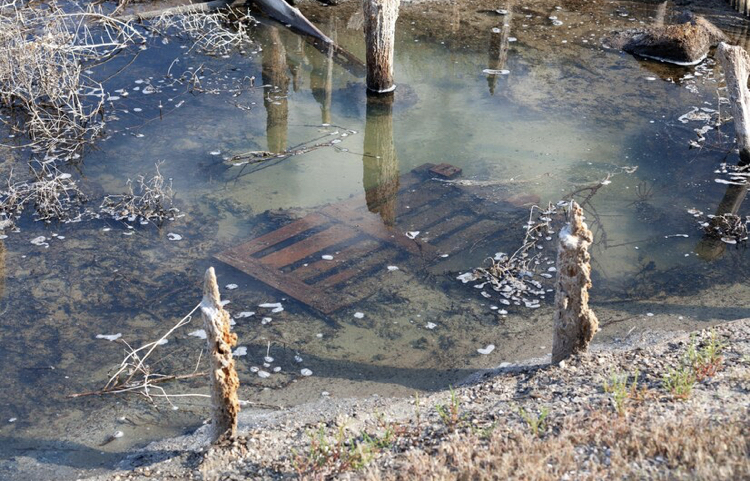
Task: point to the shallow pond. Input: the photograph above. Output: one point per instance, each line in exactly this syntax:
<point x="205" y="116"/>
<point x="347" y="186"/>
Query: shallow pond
<point x="532" y="112"/>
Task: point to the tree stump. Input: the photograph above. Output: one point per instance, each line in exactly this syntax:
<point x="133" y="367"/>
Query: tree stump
<point x="380" y="36"/>
<point x="224" y="380"/>
<point x="736" y="64"/>
<point x="575" y="322"/>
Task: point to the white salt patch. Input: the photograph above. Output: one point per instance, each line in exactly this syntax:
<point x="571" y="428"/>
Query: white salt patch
<point x="326" y="257"/>
<point x="297" y="358"/>
<point x="39" y="241"/>
<point x="264" y="374"/>
<point x="412" y="234"/>
<point x="306" y="372"/>
<point x="359" y="315"/>
<point x="231" y="286"/>
<point x="319" y="335"/>
<point x="109" y="337"/>
<point x="486" y="350"/>
<point x="270" y="305"/>
<point x="254" y="369"/>
<point x="266" y="320"/>
<point x="490" y="71"/>
<point x="392" y="268"/>
<point x="240" y="351"/>
<point x="277" y="369"/>
<point x="244" y="314"/>
<point x="225" y="302"/>
<point x="430" y="325"/>
<point x="12" y="420"/>
<point x="466" y="277"/>
<point x="215" y="152"/>
<point x="268" y="359"/>
<point x="118" y="434"/>
<point x="650" y="314"/>
<point x="200" y="333"/>
<point x="174" y="237"/>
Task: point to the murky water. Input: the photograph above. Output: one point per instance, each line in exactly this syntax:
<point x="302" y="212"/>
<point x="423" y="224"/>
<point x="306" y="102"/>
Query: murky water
<point x="556" y="114"/>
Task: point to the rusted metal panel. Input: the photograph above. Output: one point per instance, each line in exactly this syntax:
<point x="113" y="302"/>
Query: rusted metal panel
<point x="446" y="171"/>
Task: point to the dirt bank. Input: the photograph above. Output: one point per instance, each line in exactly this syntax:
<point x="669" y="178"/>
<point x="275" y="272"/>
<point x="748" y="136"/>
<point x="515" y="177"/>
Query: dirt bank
<point x="609" y="414"/>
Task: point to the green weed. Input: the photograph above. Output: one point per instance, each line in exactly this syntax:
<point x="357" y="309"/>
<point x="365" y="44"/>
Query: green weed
<point x="537" y="423"/>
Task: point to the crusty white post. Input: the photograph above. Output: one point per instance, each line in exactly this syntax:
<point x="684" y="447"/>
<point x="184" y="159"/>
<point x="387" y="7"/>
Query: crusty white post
<point x="575" y="323"/>
<point x="224" y="380"/>
<point x="380" y="36"/>
<point x="736" y="65"/>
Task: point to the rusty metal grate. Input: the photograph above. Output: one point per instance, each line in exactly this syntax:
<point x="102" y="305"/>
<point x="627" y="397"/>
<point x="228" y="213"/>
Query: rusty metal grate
<point x="361" y="242"/>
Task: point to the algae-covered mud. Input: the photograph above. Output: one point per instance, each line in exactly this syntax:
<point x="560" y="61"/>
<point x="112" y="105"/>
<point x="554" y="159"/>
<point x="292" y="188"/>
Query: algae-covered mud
<point x="529" y="105"/>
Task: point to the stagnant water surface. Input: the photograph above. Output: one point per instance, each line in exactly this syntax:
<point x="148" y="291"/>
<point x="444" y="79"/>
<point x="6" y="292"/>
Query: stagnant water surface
<point x="555" y="114"/>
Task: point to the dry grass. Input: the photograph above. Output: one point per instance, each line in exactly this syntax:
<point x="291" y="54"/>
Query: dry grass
<point x="43" y="57"/>
<point x="592" y="447"/>
<point x="214" y="33"/>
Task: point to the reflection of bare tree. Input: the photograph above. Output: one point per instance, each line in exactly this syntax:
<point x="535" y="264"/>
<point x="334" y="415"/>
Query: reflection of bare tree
<point x="276" y="86"/>
<point x="710" y="247"/>
<point x="381" y="174"/>
<point x="498" y="53"/>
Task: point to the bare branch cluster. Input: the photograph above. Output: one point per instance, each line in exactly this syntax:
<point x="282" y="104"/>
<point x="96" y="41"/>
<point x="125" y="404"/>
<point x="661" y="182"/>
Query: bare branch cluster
<point x="151" y="201"/>
<point x="43" y="58"/>
<point x="53" y="194"/>
<point x="215" y="33"/>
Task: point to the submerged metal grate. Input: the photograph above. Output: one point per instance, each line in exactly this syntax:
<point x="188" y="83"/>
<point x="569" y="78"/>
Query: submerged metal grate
<point x="361" y="242"/>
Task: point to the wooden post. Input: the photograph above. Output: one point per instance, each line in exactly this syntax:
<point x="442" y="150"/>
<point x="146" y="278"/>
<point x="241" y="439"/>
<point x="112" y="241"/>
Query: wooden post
<point x="736" y="65"/>
<point x="575" y="322"/>
<point x="380" y="36"/>
<point x="224" y="380"/>
<point x="380" y="163"/>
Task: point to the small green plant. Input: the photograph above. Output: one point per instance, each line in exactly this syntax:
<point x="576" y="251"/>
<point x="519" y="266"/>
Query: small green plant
<point x="707" y="360"/>
<point x="537" y="423"/>
<point x="680" y="382"/>
<point x="485" y="432"/>
<point x="342" y="453"/>
<point x="620" y="389"/>
<point x="451" y="414"/>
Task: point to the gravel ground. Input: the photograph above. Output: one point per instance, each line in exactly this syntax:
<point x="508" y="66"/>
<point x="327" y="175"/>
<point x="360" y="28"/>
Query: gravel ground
<point x="522" y="421"/>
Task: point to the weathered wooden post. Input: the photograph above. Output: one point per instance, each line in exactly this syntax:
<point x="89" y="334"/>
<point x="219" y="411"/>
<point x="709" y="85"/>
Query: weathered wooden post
<point x="380" y="37"/>
<point x="224" y="380"/>
<point x="736" y="65"/>
<point x="380" y="162"/>
<point x="575" y="322"/>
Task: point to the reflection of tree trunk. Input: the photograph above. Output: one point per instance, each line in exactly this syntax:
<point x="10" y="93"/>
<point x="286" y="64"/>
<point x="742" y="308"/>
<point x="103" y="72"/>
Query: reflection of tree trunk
<point x="381" y="179"/>
<point x="710" y="247"/>
<point x="321" y="78"/>
<point x="276" y="79"/>
<point x="499" y="48"/>
<point x="661" y="13"/>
